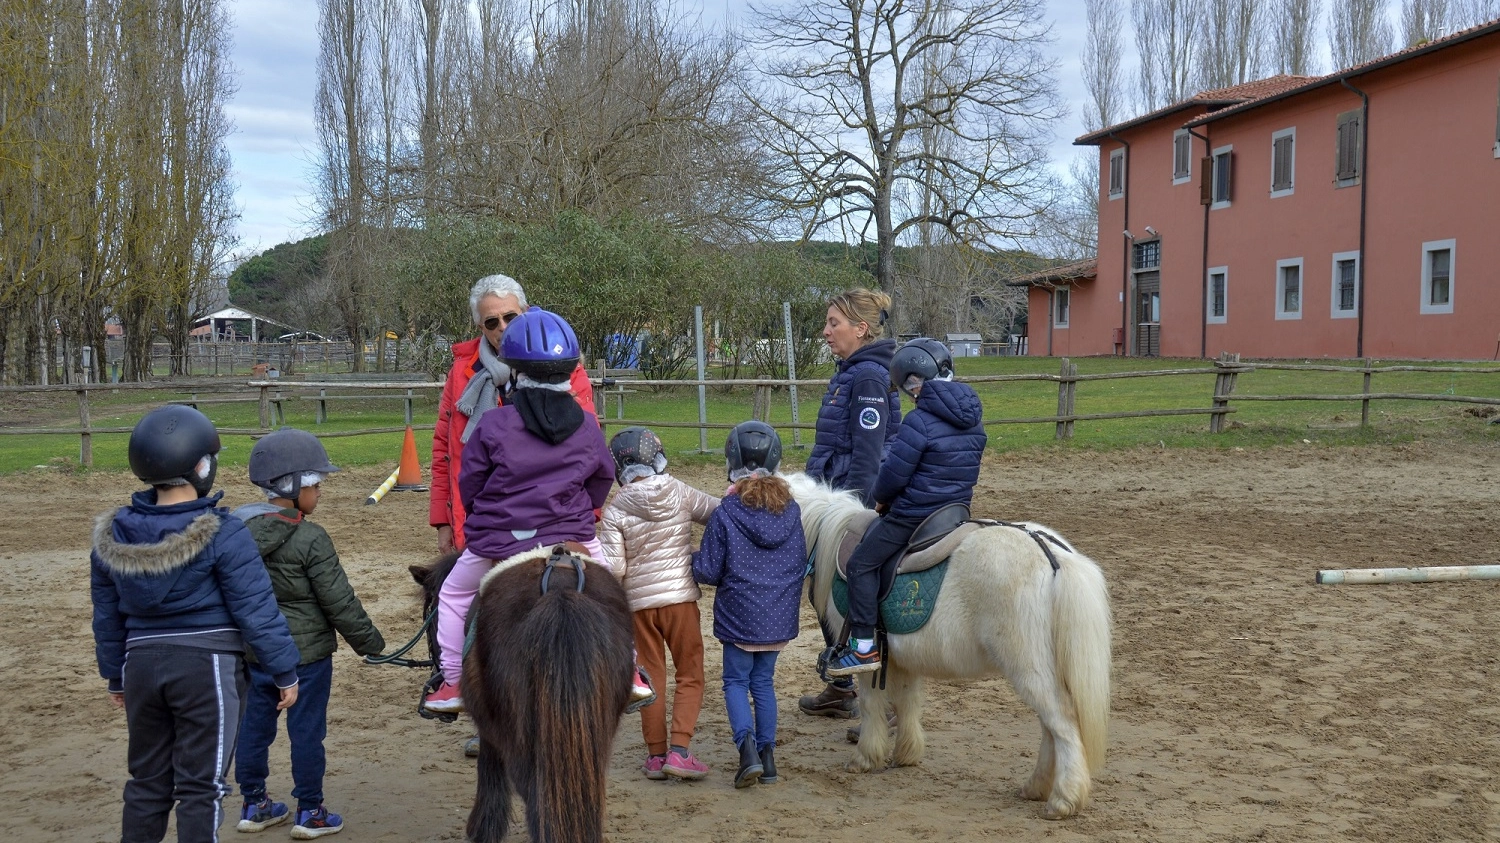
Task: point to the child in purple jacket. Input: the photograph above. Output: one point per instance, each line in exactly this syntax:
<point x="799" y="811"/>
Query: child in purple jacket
<point x="533" y="473"/>
<point x="754" y="552"/>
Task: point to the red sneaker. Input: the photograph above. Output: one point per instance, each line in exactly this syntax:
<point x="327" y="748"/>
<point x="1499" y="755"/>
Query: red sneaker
<point x="445" y="699"/>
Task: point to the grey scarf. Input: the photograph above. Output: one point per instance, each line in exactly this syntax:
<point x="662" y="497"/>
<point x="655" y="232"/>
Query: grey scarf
<point x="482" y="394"/>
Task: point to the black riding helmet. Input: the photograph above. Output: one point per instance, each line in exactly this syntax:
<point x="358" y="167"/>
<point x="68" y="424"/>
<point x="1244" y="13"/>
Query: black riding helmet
<point x="752" y="445"/>
<point x="637" y="446"/>
<point x="169" y="444"/>
<point x="284" y="452"/>
<point x="924" y="358"/>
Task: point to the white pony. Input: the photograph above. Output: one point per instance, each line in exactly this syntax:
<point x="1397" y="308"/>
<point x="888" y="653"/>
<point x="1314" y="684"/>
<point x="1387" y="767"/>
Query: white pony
<point x="1002" y="610"/>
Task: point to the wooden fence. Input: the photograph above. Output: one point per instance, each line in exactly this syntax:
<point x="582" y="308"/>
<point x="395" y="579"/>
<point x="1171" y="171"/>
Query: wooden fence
<point x="607" y="385"/>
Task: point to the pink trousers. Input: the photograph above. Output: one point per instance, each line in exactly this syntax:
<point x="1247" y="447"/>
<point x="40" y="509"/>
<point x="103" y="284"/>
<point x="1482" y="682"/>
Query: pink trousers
<point x="457" y="594"/>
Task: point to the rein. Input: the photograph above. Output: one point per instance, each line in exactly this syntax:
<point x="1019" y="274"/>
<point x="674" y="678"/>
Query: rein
<point x="395" y="658"/>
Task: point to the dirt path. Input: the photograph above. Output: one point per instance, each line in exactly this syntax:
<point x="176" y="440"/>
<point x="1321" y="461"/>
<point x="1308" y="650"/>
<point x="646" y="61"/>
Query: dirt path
<point x="1249" y="704"/>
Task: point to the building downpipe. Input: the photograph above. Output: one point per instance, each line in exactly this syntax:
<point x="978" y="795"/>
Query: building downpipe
<point x="1364" y="186"/>
<point x="1203" y="270"/>
<point x="1125" y="264"/>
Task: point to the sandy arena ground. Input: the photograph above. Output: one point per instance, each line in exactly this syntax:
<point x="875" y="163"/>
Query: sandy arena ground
<point x="1249" y="703"/>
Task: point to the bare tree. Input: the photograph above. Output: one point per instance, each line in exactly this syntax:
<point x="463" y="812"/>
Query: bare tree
<point x="851" y="101"/>
<point x="1166" y="32"/>
<point x="1358" y="31"/>
<point x="1232" y="42"/>
<point x="1292" y="47"/>
<point x="1467" y="13"/>
<point x="1103" y="63"/>
<point x="343" y="113"/>
<point x="1423" y="20"/>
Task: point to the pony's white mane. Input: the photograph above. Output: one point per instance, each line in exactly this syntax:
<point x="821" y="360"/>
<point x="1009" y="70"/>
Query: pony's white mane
<point x="507" y="564"/>
<point x="822" y="505"/>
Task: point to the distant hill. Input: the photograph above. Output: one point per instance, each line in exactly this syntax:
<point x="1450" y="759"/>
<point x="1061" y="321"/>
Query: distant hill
<point x="269" y="282"/>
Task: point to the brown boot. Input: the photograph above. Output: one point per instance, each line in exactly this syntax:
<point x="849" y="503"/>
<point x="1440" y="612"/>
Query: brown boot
<point x="832" y="702"/>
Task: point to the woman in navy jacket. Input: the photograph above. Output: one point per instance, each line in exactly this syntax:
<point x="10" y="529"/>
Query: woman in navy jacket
<point x="859" y="415"/>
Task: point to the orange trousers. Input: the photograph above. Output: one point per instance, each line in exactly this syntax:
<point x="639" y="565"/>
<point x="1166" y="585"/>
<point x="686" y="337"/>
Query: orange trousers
<point x="675" y="628"/>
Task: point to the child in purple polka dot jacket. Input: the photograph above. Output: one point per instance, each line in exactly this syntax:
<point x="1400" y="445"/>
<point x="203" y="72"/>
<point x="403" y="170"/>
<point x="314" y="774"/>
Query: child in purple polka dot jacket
<point x="755" y="554"/>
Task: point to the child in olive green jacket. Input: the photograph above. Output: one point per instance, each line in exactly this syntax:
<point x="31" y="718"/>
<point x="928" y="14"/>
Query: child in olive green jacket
<point x="315" y="596"/>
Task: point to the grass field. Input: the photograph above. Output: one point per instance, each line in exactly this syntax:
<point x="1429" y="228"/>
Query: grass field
<point x="1253" y="424"/>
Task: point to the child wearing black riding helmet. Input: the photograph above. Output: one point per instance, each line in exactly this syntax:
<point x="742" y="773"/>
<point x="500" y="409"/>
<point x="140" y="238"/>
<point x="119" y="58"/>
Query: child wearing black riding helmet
<point x="932" y="461"/>
<point x="179" y="594"/>
<point x="315" y="596"/>
<point x="754" y="552"/>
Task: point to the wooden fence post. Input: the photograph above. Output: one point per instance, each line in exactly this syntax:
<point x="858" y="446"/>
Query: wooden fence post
<point x="1223" y="387"/>
<point x="408" y="408"/>
<point x="86" y="441"/>
<point x="265" y="408"/>
<point x="1364" y="406"/>
<point x="1065" y="392"/>
<point x="760" y="403"/>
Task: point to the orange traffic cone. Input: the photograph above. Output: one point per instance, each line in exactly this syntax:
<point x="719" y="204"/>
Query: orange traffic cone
<point x="409" y="474"/>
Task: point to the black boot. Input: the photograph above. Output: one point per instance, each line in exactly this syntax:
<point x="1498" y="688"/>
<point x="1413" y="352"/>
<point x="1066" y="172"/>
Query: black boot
<point x="768" y="765"/>
<point x="750" y="766"/>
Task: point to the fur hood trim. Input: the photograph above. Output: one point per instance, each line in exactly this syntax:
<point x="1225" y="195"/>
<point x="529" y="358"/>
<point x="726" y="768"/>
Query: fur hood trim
<point x="172" y="552"/>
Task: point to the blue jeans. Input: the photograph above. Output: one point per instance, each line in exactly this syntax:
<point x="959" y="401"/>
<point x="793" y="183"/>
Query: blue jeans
<point x="306" y="726"/>
<point x="750" y="675"/>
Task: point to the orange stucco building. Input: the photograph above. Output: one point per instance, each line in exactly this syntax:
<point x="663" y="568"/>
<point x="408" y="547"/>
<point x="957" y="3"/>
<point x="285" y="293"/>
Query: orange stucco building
<point x="1348" y="215"/>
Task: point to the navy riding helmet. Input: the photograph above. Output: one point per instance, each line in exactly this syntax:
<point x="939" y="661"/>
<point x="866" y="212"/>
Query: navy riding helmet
<point x="541" y="345"/>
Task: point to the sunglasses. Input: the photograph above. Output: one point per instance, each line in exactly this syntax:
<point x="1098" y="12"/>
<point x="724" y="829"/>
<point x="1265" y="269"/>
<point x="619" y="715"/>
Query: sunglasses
<point x="494" y="322"/>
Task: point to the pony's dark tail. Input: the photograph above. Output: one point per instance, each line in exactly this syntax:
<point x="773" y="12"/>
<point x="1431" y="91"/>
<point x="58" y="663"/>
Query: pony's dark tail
<point x="580" y="684"/>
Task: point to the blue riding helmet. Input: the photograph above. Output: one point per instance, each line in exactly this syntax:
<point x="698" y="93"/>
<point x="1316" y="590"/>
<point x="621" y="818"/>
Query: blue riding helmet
<point x="541" y="345"/>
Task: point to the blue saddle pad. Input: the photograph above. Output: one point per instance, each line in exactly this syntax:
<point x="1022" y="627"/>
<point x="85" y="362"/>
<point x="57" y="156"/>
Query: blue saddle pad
<point x="908" y="605"/>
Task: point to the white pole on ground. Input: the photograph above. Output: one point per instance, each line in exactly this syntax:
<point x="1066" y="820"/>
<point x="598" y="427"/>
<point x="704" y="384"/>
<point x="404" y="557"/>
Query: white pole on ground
<point x="791" y="371"/>
<point x="702" y="389"/>
<point x="1437" y="573"/>
<point x="390" y="483"/>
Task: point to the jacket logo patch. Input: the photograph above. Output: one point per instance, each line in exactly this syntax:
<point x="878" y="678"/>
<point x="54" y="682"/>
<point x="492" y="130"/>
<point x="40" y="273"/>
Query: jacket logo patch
<point x="869" y="418"/>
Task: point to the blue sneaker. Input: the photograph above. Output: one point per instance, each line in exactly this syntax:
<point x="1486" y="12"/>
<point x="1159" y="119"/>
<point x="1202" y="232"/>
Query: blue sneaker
<point x="261" y="815"/>
<point x="847" y="661"/>
<point x="316" y="823"/>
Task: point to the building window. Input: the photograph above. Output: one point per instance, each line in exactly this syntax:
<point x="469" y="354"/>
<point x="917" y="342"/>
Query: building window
<point x="1148" y="255"/>
<point x="1437" y="276"/>
<point x="1283" y="162"/>
<point x="1346" y="157"/>
<point x="1345" y="285"/>
<point x="1289" y="289"/>
<point x="1218" y="295"/>
<point x="1117" y="174"/>
<point x="1182" y="157"/>
<point x="1061" y="298"/>
<point x="1223" y="176"/>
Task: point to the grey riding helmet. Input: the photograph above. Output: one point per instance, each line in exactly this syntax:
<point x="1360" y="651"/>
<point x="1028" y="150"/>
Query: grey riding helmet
<point x="287" y="453"/>
<point x="638" y="452"/>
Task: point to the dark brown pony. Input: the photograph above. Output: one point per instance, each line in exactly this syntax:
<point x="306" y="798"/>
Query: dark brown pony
<point x="546" y="680"/>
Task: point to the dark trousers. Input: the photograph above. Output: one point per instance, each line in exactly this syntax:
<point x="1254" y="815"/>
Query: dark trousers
<point x="306" y="726"/>
<point x="182" y="710"/>
<point x="880" y="548"/>
<point x="750" y="675"/>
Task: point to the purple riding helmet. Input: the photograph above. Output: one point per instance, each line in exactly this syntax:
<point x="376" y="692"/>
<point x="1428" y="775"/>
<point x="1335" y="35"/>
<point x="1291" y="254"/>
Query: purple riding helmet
<point x="541" y="345"/>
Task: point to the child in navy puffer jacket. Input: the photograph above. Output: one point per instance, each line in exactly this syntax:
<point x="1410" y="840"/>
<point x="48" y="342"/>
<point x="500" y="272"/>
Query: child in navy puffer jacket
<point x="933" y="461"/>
<point x="754" y="552"/>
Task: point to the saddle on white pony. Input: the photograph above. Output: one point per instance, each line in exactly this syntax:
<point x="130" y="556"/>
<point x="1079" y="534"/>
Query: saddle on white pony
<point x="935" y="539"/>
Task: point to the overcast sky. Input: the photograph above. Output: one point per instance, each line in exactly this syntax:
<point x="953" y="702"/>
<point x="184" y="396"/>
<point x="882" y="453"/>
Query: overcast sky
<point x="275" y="143"/>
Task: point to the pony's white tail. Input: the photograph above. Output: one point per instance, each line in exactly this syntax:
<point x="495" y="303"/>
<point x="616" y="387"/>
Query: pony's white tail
<point x="1081" y="638"/>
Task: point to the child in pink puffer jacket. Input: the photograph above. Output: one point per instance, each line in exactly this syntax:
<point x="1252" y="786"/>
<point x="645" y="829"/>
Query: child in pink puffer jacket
<point x="646" y="533"/>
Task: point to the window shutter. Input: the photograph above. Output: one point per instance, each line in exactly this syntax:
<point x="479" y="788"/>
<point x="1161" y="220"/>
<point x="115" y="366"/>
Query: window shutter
<point x="1281" y="167"/>
<point x="1228" y="176"/>
<point x="1348" y="147"/>
<point x="1206" y="181"/>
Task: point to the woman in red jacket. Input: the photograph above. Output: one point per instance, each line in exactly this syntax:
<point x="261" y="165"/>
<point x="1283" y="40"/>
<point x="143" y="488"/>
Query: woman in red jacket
<point x="476" y="383"/>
